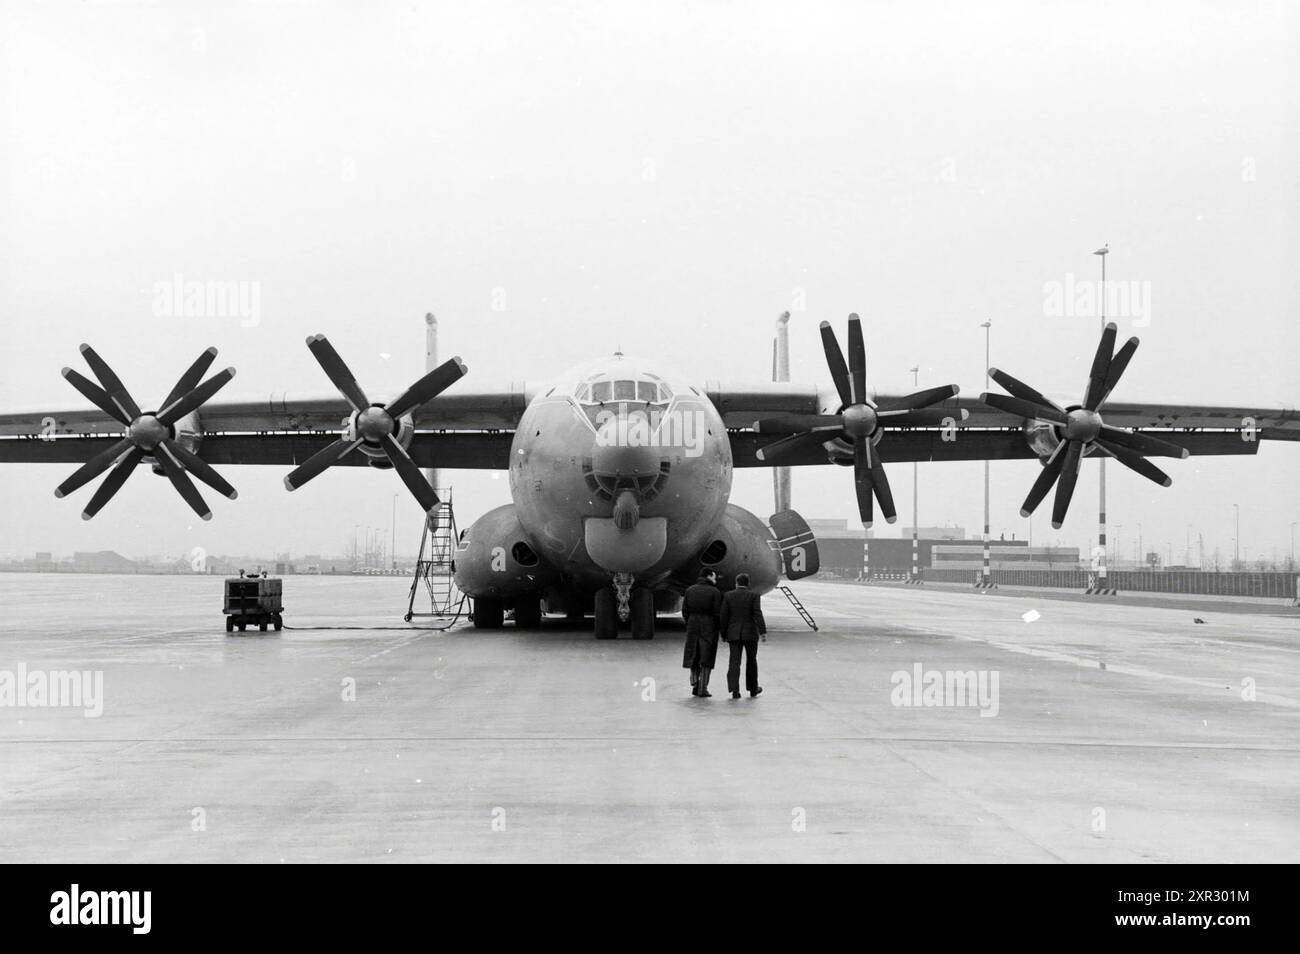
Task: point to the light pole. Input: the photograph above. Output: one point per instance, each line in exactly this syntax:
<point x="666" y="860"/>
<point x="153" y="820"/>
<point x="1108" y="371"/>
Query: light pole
<point x="1101" y="459"/>
<point x="916" y="518"/>
<point x="1119" y="551"/>
<point x="987" y="326"/>
<point x="1293" y="545"/>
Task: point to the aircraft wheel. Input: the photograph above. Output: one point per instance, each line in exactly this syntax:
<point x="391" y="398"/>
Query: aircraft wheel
<point x="489" y="614"/>
<point x="643" y="614"/>
<point x="606" y="614"/>
<point x="528" y="613"/>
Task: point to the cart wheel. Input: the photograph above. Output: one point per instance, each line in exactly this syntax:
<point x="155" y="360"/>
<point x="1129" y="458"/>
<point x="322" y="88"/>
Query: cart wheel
<point x="230" y="624"/>
<point x="279" y="622"/>
<point x="406" y="618"/>
<point x="261" y="625"/>
<point x="242" y="625"/>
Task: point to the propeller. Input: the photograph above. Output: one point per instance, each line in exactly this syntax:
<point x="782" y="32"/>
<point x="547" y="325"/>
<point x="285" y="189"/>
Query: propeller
<point x="858" y="421"/>
<point x="148" y="433"/>
<point x="375" y="427"/>
<point x="1081" y="428"/>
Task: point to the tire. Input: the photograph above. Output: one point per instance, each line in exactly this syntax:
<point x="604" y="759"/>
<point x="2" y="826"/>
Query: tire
<point x="489" y="614"/>
<point x="230" y="624"/>
<point x="528" y="613"/>
<point x="643" y="614"/>
<point x="279" y="622"/>
<point x="242" y="625"/>
<point x="606" y="614"/>
<point x="261" y="625"/>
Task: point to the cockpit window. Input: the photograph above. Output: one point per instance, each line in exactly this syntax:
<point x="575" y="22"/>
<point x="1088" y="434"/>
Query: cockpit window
<point x="647" y="389"/>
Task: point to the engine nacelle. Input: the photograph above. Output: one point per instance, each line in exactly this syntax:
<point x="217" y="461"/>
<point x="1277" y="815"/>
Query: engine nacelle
<point x="1041" y="438"/>
<point x="494" y="558"/>
<point x="187" y="432"/>
<point x="742" y="543"/>
<point x="375" y="455"/>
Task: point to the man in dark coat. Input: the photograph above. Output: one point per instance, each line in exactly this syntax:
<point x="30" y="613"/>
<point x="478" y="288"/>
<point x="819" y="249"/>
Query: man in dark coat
<point x="700" y="608"/>
<point x="742" y="624"/>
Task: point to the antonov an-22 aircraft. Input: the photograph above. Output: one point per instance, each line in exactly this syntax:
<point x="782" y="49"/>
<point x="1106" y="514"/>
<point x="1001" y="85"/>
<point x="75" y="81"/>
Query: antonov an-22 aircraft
<point x="620" y="474"/>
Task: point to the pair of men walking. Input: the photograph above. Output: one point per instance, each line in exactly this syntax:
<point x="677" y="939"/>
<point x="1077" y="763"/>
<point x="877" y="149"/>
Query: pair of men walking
<point x="735" y="617"/>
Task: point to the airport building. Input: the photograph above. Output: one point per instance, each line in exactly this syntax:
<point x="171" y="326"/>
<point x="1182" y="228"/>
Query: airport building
<point x="946" y="548"/>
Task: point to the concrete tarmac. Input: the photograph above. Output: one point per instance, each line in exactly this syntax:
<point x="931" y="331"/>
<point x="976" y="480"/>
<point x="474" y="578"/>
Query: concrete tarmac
<point x="1122" y="733"/>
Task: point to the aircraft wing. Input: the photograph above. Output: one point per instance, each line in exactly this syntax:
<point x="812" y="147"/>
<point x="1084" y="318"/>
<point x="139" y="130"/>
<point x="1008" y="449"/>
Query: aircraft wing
<point x="988" y="433"/>
<point x="462" y="428"/>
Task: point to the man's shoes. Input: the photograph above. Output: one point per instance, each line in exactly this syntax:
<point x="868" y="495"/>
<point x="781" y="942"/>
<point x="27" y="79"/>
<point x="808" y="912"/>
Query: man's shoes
<point x="735" y="694"/>
<point x="705" y="694"/>
<point x="755" y="692"/>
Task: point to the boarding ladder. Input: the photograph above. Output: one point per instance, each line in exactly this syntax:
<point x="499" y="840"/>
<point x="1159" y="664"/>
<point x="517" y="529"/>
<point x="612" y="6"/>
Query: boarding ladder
<point x="799" y="608"/>
<point x="435" y="565"/>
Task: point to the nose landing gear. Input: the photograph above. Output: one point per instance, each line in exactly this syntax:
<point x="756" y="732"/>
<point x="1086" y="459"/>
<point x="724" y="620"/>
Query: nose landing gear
<point x="622" y="602"/>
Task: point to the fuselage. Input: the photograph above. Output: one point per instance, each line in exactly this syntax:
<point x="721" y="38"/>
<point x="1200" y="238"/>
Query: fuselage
<point x="618" y="469"/>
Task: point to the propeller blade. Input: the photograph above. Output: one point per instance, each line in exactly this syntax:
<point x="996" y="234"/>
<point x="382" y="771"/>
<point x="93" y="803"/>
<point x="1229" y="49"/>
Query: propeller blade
<point x="883" y="494"/>
<point x="857" y="360"/>
<point x="790" y="447"/>
<point x="112" y="483"/>
<point x="1100" y="366"/>
<point x="1021" y="390"/>
<point x="1051" y="470"/>
<point x="94" y="467"/>
<point x="1144" y="444"/>
<point x="111" y="382"/>
<point x="201" y="469"/>
<point x="1024" y="408"/>
<point x="862" y="480"/>
<point x="1065" y="486"/>
<point x="181" y="481"/>
<point x="191" y="378"/>
<point x="337" y="372"/>
<point x="428" y="387"/>
<point x="410" y="474"/>
<point x="799" y="423"/>
<point x="182" y="406"/>
<point x="922" y="417"/>
<point x="921" y="398"/>
<point x="1136" y="462"/>
<point x="1117" y="366"/>
<point x="314" y="465"/>
<point x="835" y="362"/>
<point x="95" y="395"/>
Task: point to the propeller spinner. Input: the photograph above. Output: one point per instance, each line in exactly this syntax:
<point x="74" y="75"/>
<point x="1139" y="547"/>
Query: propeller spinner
<point x="858" y="422"/>
<point x="1081" y="428"/>
<point x="148" y="434"/>
<point x="375" y="425"/>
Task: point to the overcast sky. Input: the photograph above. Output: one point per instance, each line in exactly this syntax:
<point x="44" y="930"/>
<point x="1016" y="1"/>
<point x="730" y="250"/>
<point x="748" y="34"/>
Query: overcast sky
<point x="554" y="180"/>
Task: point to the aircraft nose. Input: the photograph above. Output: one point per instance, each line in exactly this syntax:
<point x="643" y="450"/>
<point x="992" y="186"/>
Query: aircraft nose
<point x="624" y="454"/>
